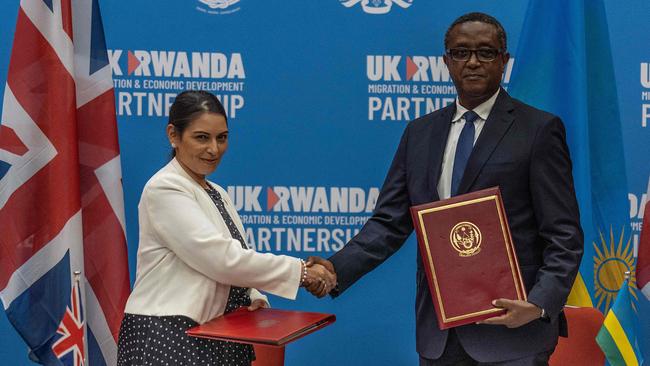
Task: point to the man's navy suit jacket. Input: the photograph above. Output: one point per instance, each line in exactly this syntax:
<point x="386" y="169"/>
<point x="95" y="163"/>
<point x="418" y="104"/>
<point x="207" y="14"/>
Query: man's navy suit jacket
<point x="523" y="151"/>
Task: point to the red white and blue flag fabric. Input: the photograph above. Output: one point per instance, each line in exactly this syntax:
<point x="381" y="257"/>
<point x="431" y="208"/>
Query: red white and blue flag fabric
<point x="71" y="330"/>
<point x="61" y="204"/>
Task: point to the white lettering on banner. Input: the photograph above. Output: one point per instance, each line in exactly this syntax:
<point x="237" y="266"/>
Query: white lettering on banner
<point x="158" y="103"/>
<point x="153" y="84"/>
<point x="163" y="84"/>
<point x="143" y="68"/>
<point x="305" y="199"/>
<point x="645" y="95"/>
<point x="256" y="219"/>
<point x="163" y="62"/>
<point x="403" y="108"/>
<point x="637" y="207"/>
<point x="645" y="75"/>
<point x="437" y="70"/>
<point x="438" y="89"/>
<point x="212" y="65"/>
<point x="302" y="218"/>
<point x="182" y="66"/>
<point x="121" y="83"/>
<point x="383" y="68"/>
<point x="389" y="88"/>
<point x="124" y="104"/>
<point x="417" y="86"/>
<point x="417" y="68"/>
<point x="215" y="85"/>
<point x="141" y="92"/>
<point x="113" y="59"/>
<point x="246" y="198"/>
<point x="289" y="239"/>
<point x="311" y="199"/>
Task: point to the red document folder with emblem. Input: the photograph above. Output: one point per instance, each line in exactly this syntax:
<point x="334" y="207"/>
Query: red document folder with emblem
<point x="270" y="327"/>
<point x="468" y="256"/>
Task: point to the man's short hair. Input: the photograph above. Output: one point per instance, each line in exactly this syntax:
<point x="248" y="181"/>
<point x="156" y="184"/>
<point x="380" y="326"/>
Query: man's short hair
<point x="483" y="18"/>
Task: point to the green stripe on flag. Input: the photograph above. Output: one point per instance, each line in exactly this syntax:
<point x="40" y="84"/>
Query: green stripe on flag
<point x="607" y="344"/>
<point x="619" y="341"/>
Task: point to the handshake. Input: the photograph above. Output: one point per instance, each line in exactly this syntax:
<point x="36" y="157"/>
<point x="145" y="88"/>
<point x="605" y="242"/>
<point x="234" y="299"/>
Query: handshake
<point x="319" y="277"/>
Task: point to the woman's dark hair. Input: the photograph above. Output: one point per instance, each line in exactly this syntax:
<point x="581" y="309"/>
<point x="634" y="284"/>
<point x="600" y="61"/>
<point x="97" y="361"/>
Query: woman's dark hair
<point x="188" y="105"/>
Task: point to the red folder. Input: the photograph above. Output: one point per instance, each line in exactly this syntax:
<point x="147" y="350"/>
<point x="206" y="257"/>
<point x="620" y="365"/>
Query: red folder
<point x="468" y="256"/>
<point x="271" y="327"/>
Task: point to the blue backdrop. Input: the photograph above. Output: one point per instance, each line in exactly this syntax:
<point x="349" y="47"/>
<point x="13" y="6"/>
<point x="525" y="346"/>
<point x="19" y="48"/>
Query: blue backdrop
<point x="318" y="94"/>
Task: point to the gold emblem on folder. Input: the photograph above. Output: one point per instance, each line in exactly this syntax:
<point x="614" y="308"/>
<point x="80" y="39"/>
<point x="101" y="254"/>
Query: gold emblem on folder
<point x="466" y="237"/>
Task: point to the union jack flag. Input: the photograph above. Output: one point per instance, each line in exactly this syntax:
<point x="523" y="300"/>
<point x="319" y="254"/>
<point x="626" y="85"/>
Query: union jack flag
<point x="61" y="205"/>
<point x="71" y="330"/>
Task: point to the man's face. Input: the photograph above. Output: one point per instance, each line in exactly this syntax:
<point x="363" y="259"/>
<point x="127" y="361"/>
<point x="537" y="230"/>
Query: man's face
<point x="475" y="81"/>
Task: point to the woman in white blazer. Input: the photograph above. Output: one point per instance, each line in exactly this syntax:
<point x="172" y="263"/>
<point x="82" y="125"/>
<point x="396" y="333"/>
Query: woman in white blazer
<point x="193" y="263"/>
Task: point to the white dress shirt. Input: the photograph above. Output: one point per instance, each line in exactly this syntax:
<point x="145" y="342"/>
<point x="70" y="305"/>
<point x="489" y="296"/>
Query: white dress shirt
<point x="457" y="123"/>
<point x="187" y="259"/>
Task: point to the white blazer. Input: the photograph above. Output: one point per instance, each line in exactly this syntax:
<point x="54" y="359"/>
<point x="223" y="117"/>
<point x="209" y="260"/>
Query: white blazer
<point x="187" y="259"/>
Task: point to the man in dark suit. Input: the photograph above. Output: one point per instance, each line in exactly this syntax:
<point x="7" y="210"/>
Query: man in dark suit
<point x="485" y="139"/>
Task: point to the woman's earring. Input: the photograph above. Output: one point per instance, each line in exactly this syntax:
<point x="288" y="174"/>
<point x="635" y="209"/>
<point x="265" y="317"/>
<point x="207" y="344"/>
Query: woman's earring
<point x="173" y="145"/>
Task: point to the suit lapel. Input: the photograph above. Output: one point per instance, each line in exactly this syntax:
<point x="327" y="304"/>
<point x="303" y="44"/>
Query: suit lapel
<point x="495" y="128"/>
<point x="438" y="138"/>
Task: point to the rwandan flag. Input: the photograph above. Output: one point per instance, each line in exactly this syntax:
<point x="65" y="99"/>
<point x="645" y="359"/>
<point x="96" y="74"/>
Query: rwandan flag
<point x="564" y="66"/>
<point x="617" y="338"/>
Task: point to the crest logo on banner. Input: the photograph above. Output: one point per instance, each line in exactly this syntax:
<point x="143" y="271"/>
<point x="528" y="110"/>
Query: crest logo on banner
<point x="377" y="6"/>
<point x="218" y="7"/>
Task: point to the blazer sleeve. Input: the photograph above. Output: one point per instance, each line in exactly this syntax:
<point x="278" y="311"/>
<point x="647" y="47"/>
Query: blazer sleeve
<point x="181" y="225"/>
<point x="558" y="218"/>
<point x="385" y="232"/>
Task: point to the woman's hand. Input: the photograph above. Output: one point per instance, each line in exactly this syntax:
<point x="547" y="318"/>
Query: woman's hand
<point x="258" y="304"/>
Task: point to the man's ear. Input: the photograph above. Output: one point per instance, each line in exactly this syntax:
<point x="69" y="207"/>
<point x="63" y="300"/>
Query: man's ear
<point x="506" y="57"/>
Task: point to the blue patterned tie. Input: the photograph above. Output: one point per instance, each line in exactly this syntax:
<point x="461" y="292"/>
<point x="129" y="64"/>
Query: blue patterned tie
<point x="463" y="150"/>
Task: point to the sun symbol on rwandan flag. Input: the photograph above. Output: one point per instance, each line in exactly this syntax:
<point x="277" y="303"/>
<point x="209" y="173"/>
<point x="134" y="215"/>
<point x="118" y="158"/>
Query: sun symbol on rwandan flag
<point x="611" y="260"/>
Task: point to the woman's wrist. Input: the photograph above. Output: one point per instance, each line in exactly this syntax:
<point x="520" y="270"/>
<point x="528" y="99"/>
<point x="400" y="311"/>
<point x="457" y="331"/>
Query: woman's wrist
<point x="303" y="271"/>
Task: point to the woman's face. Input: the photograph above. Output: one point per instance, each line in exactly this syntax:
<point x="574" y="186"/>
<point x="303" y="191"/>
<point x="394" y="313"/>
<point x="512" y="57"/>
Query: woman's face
<point x="202" y="144"/>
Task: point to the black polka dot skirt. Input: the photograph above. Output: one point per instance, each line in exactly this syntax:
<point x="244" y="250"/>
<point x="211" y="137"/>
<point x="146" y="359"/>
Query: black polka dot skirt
<point x="161" y="341"/>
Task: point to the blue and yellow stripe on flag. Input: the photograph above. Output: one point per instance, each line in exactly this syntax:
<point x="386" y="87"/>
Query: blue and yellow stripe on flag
<point x="564" y="65"/>
<point x="618" y="337"/>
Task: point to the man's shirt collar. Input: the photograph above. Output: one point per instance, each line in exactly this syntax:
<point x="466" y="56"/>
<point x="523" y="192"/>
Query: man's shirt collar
<point x="483" y="110"/>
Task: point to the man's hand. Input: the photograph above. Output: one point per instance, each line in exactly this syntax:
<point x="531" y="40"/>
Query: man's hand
<point x="322" y="261"/>
<point x="517" y="313"/>
<point x="321" y="278"/>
